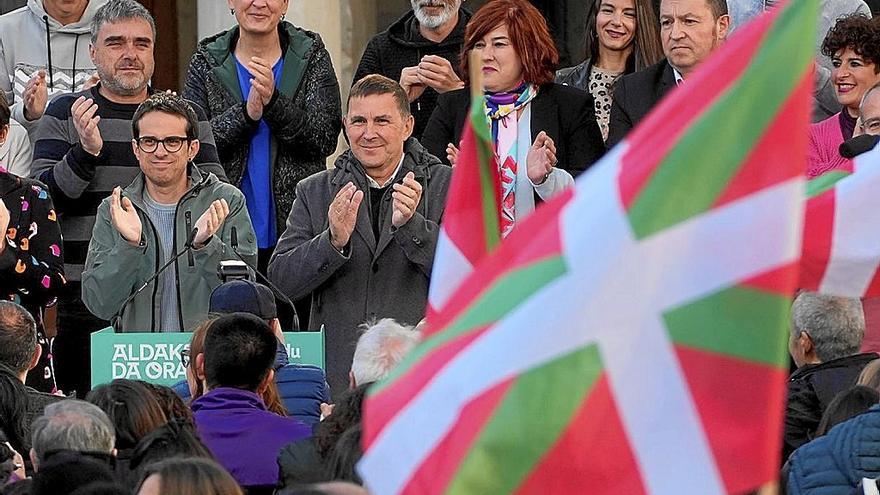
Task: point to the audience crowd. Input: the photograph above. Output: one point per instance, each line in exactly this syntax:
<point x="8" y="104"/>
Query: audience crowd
<point x="146" y="210"/>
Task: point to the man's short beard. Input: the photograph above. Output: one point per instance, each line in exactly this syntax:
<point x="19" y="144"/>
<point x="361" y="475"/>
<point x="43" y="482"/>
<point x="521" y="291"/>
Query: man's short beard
<point x="117" y="87"/>
<point x="433" y="22"/>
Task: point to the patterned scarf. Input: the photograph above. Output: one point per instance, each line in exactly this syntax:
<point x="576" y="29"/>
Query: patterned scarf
<point x="501" y="108"/>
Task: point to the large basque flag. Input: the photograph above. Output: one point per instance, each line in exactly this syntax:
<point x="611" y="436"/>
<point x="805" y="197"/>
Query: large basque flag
<point x="471" y="220"/>
<point x="841" y="253"/>
<point x="630" y="335"/>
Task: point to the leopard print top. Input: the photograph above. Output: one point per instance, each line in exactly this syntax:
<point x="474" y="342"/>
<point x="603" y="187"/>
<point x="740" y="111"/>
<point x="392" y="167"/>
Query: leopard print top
<point x="600" y="86"/>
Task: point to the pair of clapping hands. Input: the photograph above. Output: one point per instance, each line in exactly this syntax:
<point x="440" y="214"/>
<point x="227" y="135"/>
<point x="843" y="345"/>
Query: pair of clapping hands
<point x="128" y="223"/>
<point x="343" y="211"/>
<point x="540" y="160"/>
<point x="433" y="71"/>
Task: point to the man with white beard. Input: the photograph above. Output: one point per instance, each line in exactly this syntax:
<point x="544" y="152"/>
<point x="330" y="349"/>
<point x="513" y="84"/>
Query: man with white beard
<point x="420" y="50"/>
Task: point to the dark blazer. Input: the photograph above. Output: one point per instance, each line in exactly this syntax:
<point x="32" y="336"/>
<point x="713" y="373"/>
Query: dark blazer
<point x="635" y="95"/>
<point x="566" y="114"/>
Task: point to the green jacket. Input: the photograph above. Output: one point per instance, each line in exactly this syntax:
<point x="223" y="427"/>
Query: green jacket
<point x="115" y="269"/>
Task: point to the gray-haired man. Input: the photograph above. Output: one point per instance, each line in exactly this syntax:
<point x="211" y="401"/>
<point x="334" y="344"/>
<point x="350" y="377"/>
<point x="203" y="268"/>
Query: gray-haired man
<point x="72" y="425"/>
<point x="826" y="334"/>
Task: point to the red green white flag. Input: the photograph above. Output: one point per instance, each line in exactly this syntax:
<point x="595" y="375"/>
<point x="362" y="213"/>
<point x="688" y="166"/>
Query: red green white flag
<point x="471" y="220"/>
<point x="841" y="253"/>
<point x="629" y="336"/>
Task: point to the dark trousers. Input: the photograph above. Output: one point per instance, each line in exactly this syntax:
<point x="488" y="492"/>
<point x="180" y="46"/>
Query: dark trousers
<point x="72" y="345"/>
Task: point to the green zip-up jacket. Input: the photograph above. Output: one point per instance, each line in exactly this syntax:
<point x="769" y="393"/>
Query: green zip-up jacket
<point x="115" y="269"/>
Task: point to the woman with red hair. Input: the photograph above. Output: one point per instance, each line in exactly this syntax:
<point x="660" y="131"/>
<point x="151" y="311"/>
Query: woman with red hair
<point x="545" y="134"/>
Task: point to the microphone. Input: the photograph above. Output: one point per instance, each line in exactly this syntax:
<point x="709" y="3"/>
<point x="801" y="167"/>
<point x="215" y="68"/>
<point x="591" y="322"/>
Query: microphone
<point x="117" y="318"/>
<point x="233" y="243"/>
<point x="854" y="147"/>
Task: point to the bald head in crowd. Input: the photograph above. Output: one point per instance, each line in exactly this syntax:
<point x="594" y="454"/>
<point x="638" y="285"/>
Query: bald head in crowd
<point x="19" y="349"/>
<point x="71" y="425"/>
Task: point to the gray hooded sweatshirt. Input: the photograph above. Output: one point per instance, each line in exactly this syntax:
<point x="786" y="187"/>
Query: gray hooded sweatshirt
<point x="24" y="50"/>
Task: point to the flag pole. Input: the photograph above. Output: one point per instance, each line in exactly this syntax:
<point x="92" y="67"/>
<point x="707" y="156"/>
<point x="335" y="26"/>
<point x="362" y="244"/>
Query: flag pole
<point x="476" y="75"/>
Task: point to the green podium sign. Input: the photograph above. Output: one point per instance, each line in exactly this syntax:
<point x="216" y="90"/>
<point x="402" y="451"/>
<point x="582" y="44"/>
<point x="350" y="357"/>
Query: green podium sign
<point x="155" y="357"/>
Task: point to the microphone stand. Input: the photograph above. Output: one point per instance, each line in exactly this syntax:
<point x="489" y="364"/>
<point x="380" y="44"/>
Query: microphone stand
<point x="117" y="318"/>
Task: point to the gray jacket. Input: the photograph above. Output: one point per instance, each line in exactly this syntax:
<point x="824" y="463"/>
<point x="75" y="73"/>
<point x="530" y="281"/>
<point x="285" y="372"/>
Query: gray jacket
<point x="115" y="269"/>
<point x="384" y="278"/>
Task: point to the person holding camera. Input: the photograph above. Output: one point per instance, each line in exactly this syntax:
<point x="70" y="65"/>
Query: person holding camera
<point x="174" y="220"/>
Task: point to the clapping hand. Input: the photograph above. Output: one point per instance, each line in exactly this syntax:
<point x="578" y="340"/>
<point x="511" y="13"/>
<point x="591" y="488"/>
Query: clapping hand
<point x="406" y="198"/>
<point x="541" y="158"/>
<point x="125" y="218"/>
<point x="210" y="221"/>
<point x="262" y="87"/>
<point x="35" y="96"/>
<point x="342" y="214"/>
<point x="411" y="83"/>
<point x="86" y="124"/>
<point x="437" y="72"/>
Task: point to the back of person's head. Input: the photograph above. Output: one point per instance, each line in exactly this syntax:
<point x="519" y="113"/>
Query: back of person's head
<point x="188" y="476"/>
<point x="120" y="10"/>
<point x="836" y="325"/>
<point x="346" y="413"/>
<point x="68" y="471"/>
<point x="243" y="296"/>
<point x="177" y="438"/>
<point x="845" y="405"/>
<point x="131" y="407"/>
<point x="345" y="455"/>
<point x="18" y="335"/>
<point x="325" y="488"/>
<point x="239" y="352"/>
<point x="170" y="403"/>
<point x="380" y="348"/>
<point x="72" y="425"/>
<point x="101" y="488"/>
<point x="13" y="408"/>
<point x="870" y="375"/>
<point x="194" y="374"/>
<point x="375" y="85"/>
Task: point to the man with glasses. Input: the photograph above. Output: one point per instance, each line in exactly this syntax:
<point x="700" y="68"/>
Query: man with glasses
<point x="83" y="150"/>
<point x="141" y="227"/>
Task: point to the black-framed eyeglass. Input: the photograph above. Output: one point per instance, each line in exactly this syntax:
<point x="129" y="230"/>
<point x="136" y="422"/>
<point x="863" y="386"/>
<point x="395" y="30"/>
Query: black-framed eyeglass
<point x="184" y="358"/>
<point x="172" y="144"/>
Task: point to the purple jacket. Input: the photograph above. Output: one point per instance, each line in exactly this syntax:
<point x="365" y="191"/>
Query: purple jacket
<point x="244" y="436"/>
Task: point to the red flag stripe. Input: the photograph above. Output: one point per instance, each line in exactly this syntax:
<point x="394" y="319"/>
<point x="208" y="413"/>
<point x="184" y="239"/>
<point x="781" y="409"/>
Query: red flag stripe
<point x="652" y="140"/>
<point x="778" y="281"/>
<point x="435" y="474"/>
<point x="592" y="455"/>
<point x="767" y="163"/>
<point x="818" y="239"/>
<point x="463" y="217"/>
<point x="745" y="435"/>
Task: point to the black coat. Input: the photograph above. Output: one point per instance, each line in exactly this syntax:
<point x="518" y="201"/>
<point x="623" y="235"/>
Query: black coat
<point x="566" y="114"/>
<point x="402" y="46"/>
<point x="810" y="389"/>
<point x="635" y="95"/>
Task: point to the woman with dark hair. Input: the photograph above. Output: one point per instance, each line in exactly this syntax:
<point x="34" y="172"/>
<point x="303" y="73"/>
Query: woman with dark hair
<point x="134" y="412"/>
<point x="845" y="405"/>
<point x="854" y="47"/>
<point x="187" y="476"/>
<point x="31" y="263"/>
<point x="622" y="37"/>
<point x="544" y="134"/>
<point x="170" y="403"/>
<point x="308" y="460"/>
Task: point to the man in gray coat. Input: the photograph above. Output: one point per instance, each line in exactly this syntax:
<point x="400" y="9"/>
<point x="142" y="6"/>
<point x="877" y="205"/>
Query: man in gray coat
<point x="360" y="238"/>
